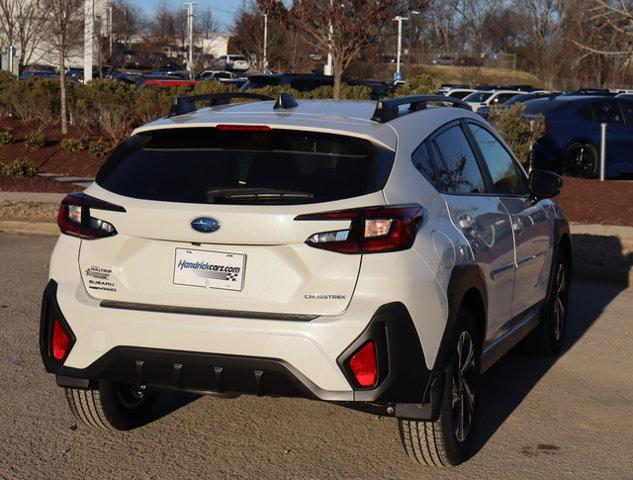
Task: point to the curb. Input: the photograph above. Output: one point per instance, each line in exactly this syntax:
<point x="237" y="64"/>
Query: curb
<point x="29" y="228"/>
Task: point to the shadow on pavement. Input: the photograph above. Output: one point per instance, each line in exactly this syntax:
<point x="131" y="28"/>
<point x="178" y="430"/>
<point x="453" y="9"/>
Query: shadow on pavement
<point x="508" y="382"/>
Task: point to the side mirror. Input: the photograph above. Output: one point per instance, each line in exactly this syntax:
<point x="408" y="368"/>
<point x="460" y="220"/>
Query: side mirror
<point x="545" y="184"/>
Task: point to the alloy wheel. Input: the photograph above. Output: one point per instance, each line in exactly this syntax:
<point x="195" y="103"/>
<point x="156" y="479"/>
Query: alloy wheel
<point x="463" y="391"/>
<point x="560" y="303"/>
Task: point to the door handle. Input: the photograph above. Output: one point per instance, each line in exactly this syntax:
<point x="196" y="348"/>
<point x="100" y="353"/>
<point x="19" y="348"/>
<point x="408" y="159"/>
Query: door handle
<point x="466" y="222"/>
<point x="517" y="225"/>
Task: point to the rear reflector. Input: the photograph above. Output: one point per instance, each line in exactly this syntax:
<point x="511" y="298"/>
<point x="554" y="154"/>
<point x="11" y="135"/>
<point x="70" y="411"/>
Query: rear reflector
<point x="364" y="366"/>
<point x="244" y="128"/>
<point x="371" y="230"/>
<point x="59" y="342"/>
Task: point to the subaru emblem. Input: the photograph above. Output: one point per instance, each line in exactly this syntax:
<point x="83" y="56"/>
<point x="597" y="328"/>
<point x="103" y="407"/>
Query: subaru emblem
<point x="205" y="224"/>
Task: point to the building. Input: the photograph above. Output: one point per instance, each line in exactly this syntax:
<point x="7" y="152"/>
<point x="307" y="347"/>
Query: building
<point x="96" y="19"/>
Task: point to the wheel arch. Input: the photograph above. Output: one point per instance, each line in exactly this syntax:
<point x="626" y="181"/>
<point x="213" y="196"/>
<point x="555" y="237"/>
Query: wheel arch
<point x="466" y="289"/>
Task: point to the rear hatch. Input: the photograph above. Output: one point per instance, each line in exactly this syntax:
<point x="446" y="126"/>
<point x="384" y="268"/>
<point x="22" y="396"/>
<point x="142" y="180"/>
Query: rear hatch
<point x="210" y="219"/>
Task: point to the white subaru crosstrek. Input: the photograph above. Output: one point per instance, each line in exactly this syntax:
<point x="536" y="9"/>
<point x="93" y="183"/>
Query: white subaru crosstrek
<point x="376" y="255"/>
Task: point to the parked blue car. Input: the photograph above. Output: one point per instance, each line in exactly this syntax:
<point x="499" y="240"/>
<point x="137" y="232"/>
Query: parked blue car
<point x="571" y="142"/>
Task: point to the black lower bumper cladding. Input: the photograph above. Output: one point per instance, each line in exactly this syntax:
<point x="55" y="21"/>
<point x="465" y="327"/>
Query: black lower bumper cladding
<point x="404" y="382"/>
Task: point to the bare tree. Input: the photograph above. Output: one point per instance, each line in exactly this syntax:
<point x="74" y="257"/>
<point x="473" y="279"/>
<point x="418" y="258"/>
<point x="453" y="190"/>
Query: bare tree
<point x="206" y="25"/>
<point x="65" y="26"/>
<point x="354" y="24"/>
<point x="22" y="25"/>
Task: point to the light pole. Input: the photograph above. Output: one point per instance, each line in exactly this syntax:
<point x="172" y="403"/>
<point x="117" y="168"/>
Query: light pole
<point x="265" y="63"/>
<point x="399" y="19"/>
<point x="328" y="69"/>
<point x="189" y="6"/>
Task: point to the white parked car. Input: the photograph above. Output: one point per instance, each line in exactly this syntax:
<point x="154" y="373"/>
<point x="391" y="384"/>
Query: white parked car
<point x="459" y="93"/>
<point x="237" y="63"/>
<point x="490" y="98"/>
<point x="377" y="255"/>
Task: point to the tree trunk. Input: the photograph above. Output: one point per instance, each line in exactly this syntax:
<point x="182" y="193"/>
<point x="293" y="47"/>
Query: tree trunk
<point x="338" y="75"/>
<point x="62" y="90"/>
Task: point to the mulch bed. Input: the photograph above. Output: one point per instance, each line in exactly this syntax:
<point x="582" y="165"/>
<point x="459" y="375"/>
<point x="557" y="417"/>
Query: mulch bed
<point x="596" y="202"/>
<point x="35" y="184"/>
<point x="50" y="158"/>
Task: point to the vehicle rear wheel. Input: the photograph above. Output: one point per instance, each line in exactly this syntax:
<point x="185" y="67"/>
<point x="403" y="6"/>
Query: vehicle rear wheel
<point x="547" y="338"/>
<point x="580" y="160"/>
<point x="447" y="441"/>
<point x="112" y="406"/>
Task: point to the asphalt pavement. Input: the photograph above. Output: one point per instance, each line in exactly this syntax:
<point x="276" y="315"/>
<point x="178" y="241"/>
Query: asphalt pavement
<point x="568" y="418"/>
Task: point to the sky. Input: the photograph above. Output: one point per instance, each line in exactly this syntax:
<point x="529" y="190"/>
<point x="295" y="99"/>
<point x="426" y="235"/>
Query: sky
<point x="224" y="9"/>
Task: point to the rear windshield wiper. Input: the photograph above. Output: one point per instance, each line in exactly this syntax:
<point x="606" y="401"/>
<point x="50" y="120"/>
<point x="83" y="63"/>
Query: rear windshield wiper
<point x="255" y="194"/>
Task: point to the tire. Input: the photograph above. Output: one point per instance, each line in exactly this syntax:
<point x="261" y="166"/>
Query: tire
<point x="547" y="338"/>
<point x="112" y="406"/>
<point x="580" y="160"/>
<point x="441" y="443"/>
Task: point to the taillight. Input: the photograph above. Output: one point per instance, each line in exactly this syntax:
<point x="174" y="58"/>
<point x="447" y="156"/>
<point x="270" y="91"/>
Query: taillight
<point x="60" y="341"/>
<point x="372" y="230"/>
<point x="364" y="365"/>
<point x="75" y="217"/>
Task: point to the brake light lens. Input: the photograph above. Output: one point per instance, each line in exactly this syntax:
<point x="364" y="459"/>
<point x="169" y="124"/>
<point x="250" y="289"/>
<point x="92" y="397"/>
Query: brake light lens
<point x="243" y="128"/>
<point x="364" y="365"/>
<point x="60" y="341"/>
<point x="75" y="218"/>
<point x="372" y="230"/>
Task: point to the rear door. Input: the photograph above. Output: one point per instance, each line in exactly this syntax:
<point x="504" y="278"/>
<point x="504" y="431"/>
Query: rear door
<point x="210" y="219"/>
<point x="482" y="219"/>
<point x="531" y="227"/>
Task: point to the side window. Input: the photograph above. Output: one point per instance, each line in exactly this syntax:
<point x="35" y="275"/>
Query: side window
<point x="627" y="108"/>
<point x="506" y="175"/>
<point x="607" y="111"/>
<point x="424" y="164"/>
<point x="460" y="172"/>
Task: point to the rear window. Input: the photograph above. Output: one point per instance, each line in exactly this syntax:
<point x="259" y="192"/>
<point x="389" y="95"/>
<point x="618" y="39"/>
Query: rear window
<point x="206" y="165"/>
<point x="544" y="106"/>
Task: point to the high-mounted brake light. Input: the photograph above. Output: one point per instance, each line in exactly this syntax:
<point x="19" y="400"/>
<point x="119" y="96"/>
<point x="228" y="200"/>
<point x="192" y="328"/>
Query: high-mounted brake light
<point x="371" y="230"/>
<point x="244" y="128"/>
<point x="364" y="365"/>
<point x="74" y="217"/>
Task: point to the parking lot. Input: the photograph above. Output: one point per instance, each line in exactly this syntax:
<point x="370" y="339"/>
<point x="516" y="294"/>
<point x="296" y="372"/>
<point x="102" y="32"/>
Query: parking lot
<point x="568" y="418"/>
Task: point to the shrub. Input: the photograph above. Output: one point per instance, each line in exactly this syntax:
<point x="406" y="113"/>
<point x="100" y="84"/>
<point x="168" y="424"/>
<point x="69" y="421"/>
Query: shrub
<point x="519" y="132"/>
<point x="7" y="84"/>
<point x="104" y="104"/>
<point x="6" y="137"/>
<point x="418" y="84"/>
<point x="35" y="140"/>
<point x="33" y="99"/>
<point x="19" y="168"/>
<point x="100" y="147"/>
<point x="72" y="144"/>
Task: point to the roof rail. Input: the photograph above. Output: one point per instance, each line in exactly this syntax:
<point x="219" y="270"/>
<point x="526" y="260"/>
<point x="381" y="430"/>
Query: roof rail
<point x="387" y="110"/>
<point x="187" y="104"/>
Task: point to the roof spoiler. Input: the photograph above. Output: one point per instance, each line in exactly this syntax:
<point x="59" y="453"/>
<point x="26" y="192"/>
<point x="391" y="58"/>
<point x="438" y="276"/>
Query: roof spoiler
<point x="387" y="110"/>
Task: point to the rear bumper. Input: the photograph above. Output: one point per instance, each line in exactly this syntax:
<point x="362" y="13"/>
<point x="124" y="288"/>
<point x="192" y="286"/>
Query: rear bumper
<point x="404" y="384"/>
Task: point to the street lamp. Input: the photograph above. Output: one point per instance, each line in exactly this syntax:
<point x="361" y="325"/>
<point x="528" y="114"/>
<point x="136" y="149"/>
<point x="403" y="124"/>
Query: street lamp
<point x="399" y="19"/>
<point x="189" y="6"/>
<point x="265" y="63"/>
